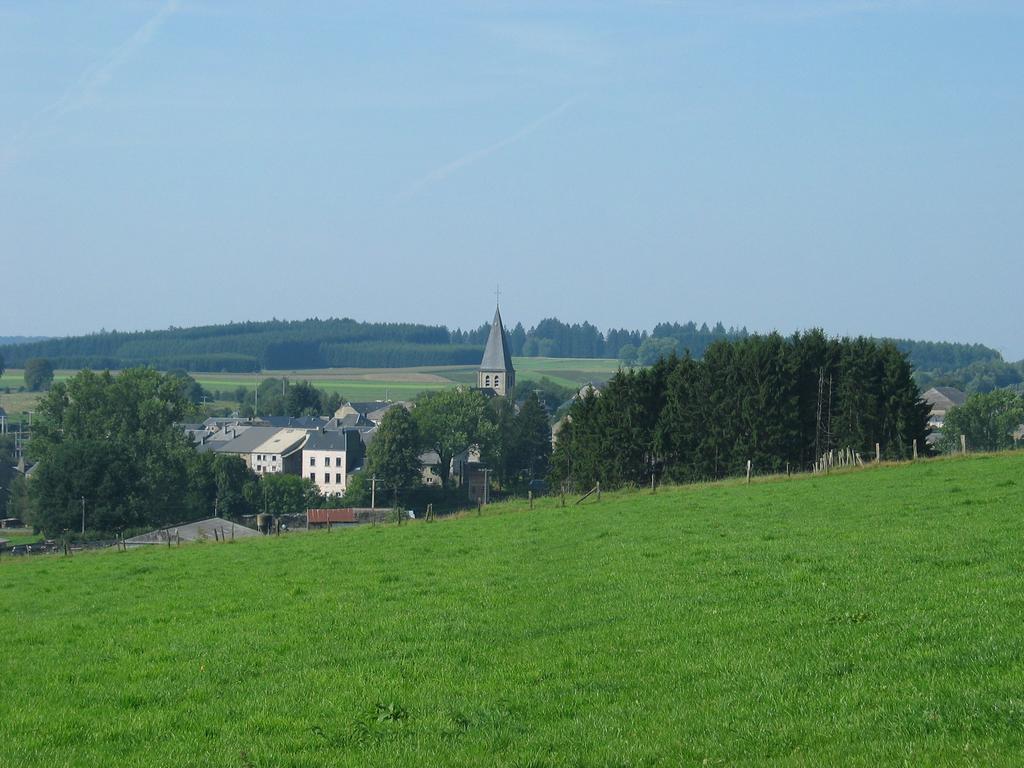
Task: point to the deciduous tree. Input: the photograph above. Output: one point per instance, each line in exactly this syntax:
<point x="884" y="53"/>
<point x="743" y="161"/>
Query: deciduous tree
<point x="394" y="455"/>
<point x="987" y="419"/>
<point x="450" y="421"/>
<point x="38" y="373"/>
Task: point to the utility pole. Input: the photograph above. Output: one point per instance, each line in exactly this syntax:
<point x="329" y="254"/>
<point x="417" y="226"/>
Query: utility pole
<point x="487" y="486"/>
<point x="83" y="515"/>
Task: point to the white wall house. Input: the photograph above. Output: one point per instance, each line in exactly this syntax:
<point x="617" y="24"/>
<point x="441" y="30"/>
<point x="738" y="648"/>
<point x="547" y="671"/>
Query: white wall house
<point x="328" y="457"/>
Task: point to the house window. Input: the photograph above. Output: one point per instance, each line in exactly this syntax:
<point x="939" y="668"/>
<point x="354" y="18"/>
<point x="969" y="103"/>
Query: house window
<point x="337" y="479"/>
<point x="312" y="476"/>
<point x="312" y="461"/>
<point x="337" y="461"/>
<point x="274" y="459"/>
<point x="327" y="477"/>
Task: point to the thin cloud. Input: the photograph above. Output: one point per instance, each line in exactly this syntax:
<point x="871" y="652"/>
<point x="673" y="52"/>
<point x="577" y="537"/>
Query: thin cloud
<point x="447" y="170"/>
<point x="789" y="10"/>
<point x="86" y="89"/>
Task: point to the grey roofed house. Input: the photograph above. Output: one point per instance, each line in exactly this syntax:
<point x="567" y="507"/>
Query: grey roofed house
<point x="367" y="434"/>
<point x="296" y="422"/>
<point x="246" y="441"/>
<point x="372" y="411"/>
<point x="942" y="400"/>
<point x="375" y="417"/>
<point x="195" y="531"/>
<point x="349" y="420"/>
<point x="220" y="422"/>
<point x="329" y="440"/>
<point x="364" y="408"/>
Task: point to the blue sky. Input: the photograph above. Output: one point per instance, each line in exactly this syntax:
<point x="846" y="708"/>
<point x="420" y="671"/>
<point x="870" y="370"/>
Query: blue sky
<point x="851" y="164"/>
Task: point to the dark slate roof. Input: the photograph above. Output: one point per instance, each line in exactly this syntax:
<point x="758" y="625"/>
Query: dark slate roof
<point x="333" y="440"/>
<point x="365" y="408"/>
<point x="496" y="354"/>
<point x="296" y="422"/>
<point x="350" y="420"/>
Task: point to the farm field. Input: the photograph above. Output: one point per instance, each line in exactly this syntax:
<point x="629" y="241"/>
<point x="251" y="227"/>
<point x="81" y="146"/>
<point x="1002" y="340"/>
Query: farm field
<point x="358" y="384"/>
<point x="16" y="403"/>
<point x="406" y="383"/>
<point x="863" y="618"/>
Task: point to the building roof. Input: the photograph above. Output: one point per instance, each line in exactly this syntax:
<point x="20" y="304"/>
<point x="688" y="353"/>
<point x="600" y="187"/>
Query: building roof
<point x="200" y="529"/>
<point x="299" y="422"/>
<point x="323" y="516"/>
<point x="496" y="354"/>
<point x="283" y="441"/>
<point x="350" y="420"/>
<point x="331" y="440"/>
<point x="944" y="398"/>
<point x="365" y="408"/>
<point x="247" y="441"/>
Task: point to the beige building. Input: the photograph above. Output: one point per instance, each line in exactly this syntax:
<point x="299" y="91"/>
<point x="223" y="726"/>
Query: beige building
<point x="267" y="450"/>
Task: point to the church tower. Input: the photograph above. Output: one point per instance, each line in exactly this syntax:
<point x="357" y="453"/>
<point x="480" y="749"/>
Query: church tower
<point x="496" y="372"/>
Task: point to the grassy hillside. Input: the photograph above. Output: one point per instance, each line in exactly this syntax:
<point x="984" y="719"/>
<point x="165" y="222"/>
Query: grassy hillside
<point x="862" y="618"/>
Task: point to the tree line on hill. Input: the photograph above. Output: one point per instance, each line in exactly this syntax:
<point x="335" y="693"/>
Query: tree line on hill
<point x="315" y="343"/>
<point x="777" y="402"/>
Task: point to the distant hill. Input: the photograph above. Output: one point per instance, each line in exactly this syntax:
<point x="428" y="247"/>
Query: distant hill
<point x="347" y="343"/>
<point x="8" y="341"/>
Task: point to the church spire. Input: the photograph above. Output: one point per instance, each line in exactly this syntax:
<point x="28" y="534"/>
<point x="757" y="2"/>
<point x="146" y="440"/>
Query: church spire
<point x="496" y="372"/>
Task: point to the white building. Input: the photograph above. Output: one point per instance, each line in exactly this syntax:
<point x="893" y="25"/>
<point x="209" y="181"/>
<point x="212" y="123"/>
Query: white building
<point x="329" y="456"/>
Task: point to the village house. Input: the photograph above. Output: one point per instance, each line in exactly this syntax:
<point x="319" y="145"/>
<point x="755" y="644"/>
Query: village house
<point x="359" y="414"/>
<point x="942" y="400"/>
<point x="267" y="450"/>
<point x="329" y="456"/>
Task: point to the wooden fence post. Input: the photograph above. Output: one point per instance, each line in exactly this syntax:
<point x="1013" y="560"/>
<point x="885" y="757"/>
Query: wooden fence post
<point x="749" y="466"/>
<point x="531" y="499"/>
<point x="915" y="449"/>
<point x="963" y="445"/>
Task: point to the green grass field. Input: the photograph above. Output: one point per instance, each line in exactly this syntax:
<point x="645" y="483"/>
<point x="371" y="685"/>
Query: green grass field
<point x="870" y="617"/>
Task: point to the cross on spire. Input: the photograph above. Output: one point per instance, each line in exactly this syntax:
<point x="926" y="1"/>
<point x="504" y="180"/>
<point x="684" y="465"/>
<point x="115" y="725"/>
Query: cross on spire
<point x="497" y="295"/>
